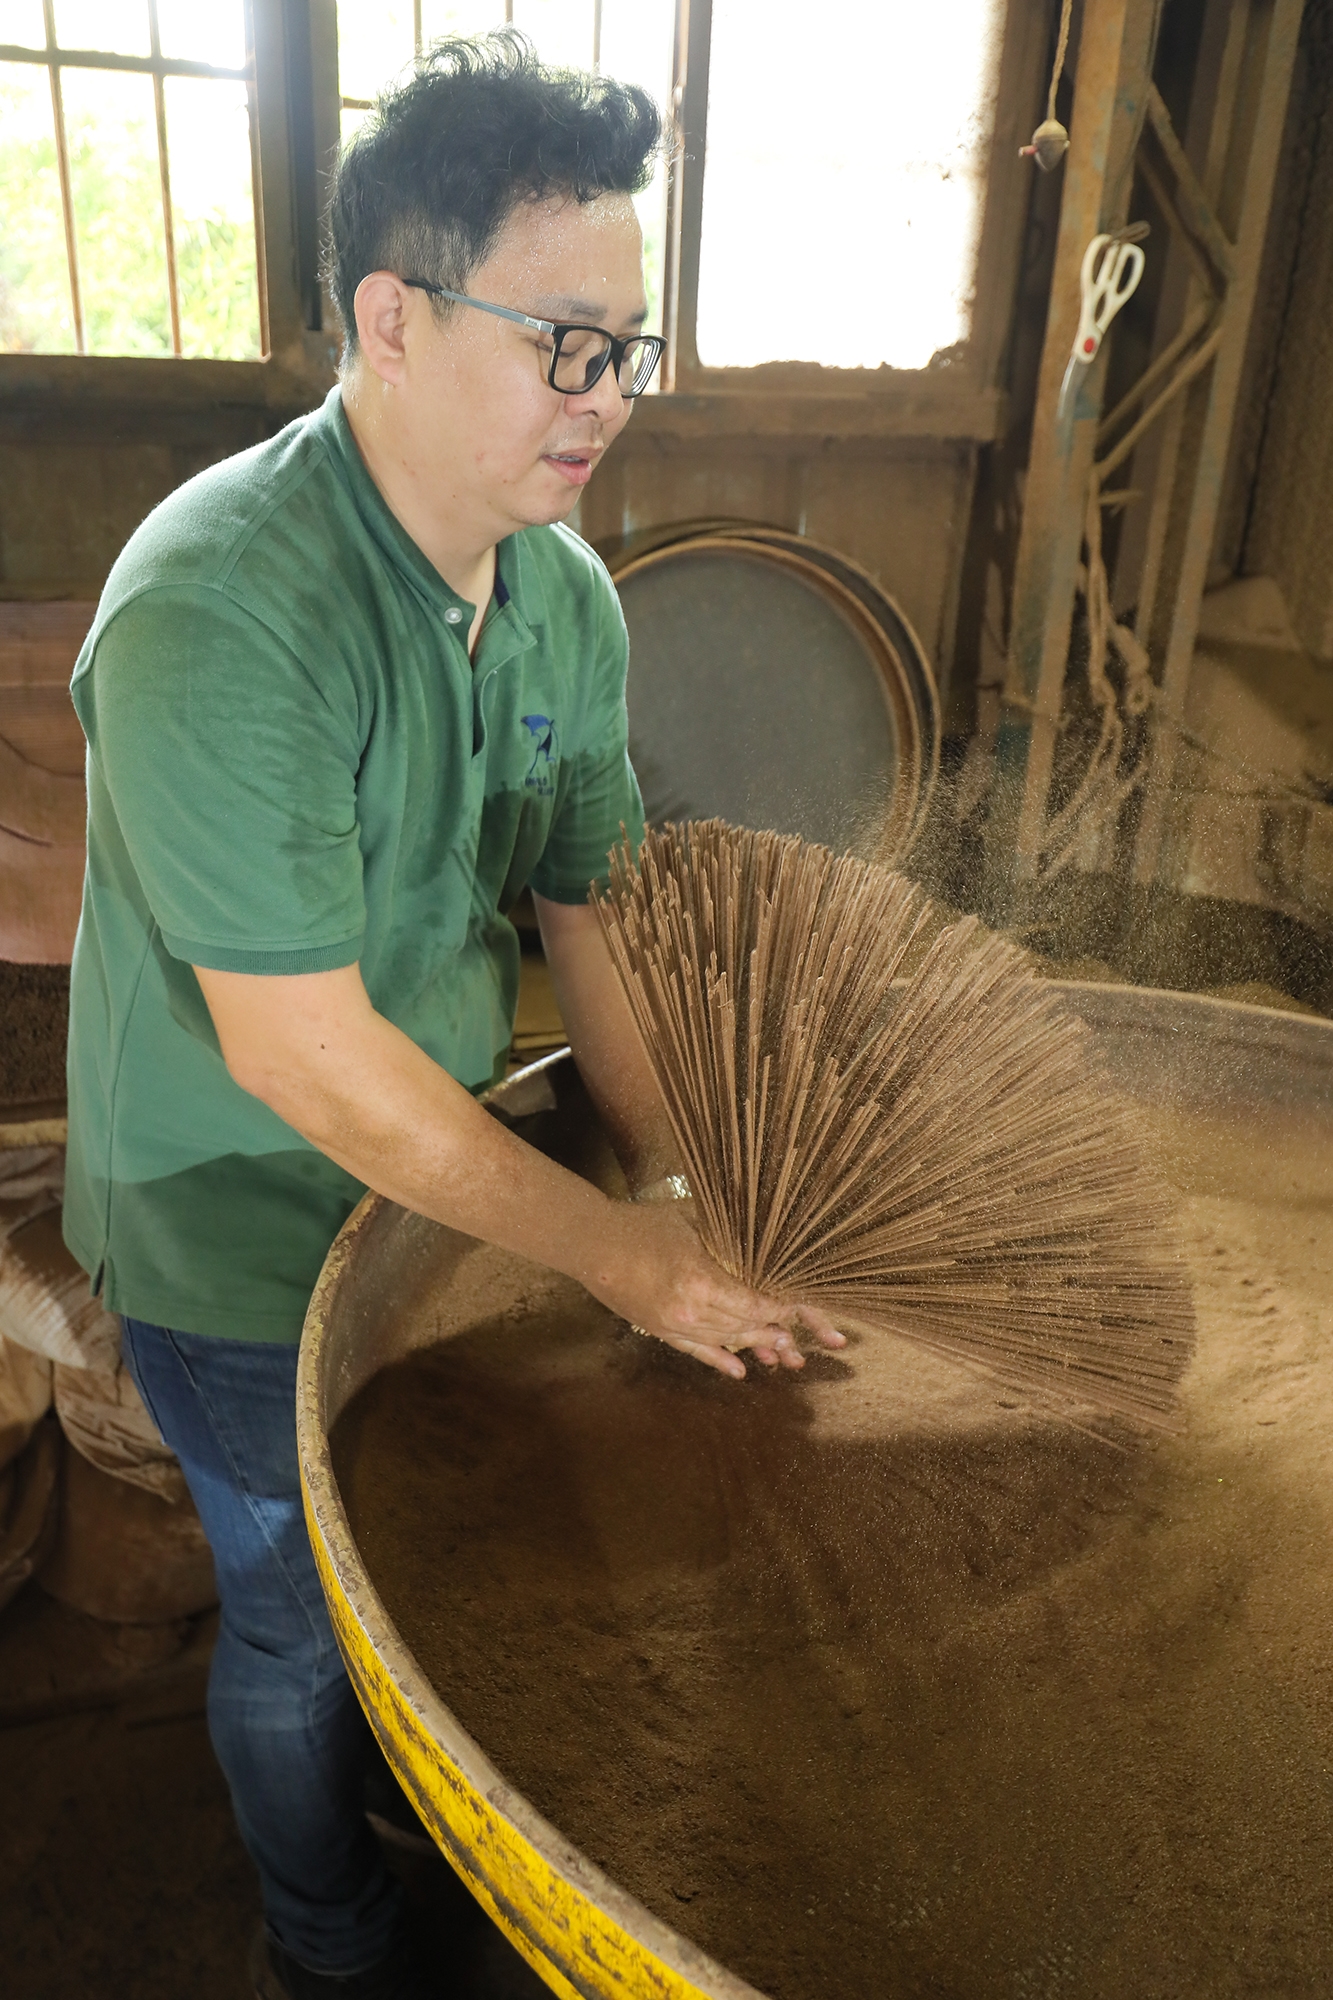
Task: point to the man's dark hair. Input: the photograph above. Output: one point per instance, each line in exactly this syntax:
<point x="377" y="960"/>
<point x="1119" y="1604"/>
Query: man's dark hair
<point x="431" y="178"/>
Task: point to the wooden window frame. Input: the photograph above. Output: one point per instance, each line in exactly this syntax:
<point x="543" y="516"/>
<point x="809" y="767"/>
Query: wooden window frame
<point x="294" y="63"/>
<point x="292" y="76"/>
<point x="962" y="399"/>
<point x="55" y="60"/>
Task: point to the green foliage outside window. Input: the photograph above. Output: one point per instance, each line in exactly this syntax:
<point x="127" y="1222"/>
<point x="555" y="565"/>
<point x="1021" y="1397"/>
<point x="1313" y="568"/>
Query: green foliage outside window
<point x="120" y="237"/>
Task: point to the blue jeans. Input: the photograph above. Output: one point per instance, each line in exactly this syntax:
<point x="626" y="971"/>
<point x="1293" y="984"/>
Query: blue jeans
<point x="287" y="1728"/>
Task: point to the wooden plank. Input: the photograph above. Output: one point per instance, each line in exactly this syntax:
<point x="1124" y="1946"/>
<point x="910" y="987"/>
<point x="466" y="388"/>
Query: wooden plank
<point x="1111" y="87"/>
<point x="41" y="725"/>
<point x="685" y="195"/>
<point x="907" y="403"/>
<point x="903" y="520"/>
<point x="40" y="642"/>
<point x="1188" y="198"/>
<point x="1267" y="71"/>
<point x="38" y="805"/>
<point x="142" y="400"/>
<point x="1019" y="94"/>
<point x="40" y="891"/>
<point x="41" y="742"/>
<point x="46" y="380"/>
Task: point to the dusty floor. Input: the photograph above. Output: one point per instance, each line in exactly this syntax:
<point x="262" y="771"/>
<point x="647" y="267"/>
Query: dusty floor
<point x="122" y="1876"/>
<point x="120" y="1873"/>
<point x="978" y="1706"/>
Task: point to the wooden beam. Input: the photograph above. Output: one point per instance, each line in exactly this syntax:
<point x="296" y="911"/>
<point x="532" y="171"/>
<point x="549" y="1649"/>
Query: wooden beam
<point x="685" y="190"/>
<point x="1190" y="202"/>
<point x="1243" y="156"/>
<point x="1112" y="82"/>
<point x="920" y="406"/>
<point x="37" y="387"/>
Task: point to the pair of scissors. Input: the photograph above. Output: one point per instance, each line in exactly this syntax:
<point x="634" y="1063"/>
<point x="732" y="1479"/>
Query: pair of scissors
<point x="1112" y="267"/>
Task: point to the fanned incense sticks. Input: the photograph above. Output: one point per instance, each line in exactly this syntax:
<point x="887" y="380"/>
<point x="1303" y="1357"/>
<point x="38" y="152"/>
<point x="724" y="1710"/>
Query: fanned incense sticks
<point x="940" y="1159"/>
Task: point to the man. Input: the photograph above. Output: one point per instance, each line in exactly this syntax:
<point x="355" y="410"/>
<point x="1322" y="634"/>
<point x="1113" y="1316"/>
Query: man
<point x="346" y="695"/>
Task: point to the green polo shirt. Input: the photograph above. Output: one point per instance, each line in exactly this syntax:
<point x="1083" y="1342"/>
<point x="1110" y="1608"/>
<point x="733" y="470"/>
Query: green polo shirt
<point x="293" y="765"/>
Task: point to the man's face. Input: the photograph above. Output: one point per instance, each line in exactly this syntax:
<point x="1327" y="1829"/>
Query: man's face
<point x="482" y="424"/>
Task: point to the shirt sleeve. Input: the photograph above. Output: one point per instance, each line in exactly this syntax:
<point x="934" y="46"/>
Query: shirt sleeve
<point x="598" y="802"/>
<point x="231" y="774"/>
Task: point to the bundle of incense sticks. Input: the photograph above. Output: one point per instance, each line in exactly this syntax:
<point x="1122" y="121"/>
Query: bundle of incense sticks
<point x="936" y="1155"/>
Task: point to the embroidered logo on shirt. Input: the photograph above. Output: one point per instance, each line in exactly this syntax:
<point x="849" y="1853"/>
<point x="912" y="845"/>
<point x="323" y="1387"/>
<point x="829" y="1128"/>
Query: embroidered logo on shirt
<point x="545" y="756"/>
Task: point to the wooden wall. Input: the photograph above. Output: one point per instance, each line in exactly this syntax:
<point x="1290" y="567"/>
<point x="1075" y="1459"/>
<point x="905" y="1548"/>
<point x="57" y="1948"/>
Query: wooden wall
<point x="85" y="456"/>
<point x="1284" y="526"/>
<point x="41" y="781"/>
<point x="881" y="466"/>
<point x="74" y="487"/>
<point x="897" y="507"/>
<point x="885" y="478"/>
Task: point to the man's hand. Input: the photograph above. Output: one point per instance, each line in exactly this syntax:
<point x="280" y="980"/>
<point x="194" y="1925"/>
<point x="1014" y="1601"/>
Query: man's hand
<point x="660" y="1278"/>
<point x="663" y="1279"/>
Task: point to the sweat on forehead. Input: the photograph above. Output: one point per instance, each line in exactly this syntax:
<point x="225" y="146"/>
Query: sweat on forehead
<point x="568" y="260"/>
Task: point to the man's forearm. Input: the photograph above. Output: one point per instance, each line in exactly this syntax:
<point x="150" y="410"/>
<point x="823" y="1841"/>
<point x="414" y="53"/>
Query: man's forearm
<point x="357" y="1088"/>
<point x="312" y="1047"/>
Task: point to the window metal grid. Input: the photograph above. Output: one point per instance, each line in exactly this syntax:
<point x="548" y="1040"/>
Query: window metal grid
<point x="368" y="103"/>
<point x="54" y="59"/>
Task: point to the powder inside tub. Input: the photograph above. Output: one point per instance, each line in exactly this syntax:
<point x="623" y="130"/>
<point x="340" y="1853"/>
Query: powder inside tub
<point x="877" y="1682"/>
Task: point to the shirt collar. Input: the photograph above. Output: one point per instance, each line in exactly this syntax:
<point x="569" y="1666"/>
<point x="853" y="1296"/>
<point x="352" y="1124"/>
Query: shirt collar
<point x="390" y="534"/>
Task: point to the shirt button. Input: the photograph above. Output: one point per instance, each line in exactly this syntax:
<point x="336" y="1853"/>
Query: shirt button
<point x="453" y="616"/>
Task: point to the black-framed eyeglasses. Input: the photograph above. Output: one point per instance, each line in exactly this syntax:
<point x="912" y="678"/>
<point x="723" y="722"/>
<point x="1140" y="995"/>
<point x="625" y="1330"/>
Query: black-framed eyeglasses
<point x="579" y="354"/>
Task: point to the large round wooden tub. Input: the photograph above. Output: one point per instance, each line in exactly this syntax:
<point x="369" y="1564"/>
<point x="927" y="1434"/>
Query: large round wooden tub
<point x="394" y="1283"/>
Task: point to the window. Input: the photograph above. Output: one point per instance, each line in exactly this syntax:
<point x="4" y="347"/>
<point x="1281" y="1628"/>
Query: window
<point x="127" y="179"/>
<point x="830" y="178"/>
<point x="825" y="199"/>
<point x="631" y="40"/>
<point x="846" y="152"/>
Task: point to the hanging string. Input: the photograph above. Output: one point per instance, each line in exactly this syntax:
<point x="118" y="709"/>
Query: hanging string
<point x="1050" y="141"/>
<point x="1103" y="790"/>
<point x="1061" y="50"/>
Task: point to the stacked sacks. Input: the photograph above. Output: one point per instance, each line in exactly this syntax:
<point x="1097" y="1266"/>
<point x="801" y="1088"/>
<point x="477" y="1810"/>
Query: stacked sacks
<point x="108" y="1526"/>
<point x="29" y="1467"/>
<point x="30" y="1442"/>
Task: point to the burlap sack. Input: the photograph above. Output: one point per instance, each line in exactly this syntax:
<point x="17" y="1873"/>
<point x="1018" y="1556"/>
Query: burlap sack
<point x="102" y="1415"/>
<point x="45" y="1303"/>
<point x="48" y="1312"/>
<point x="32" y="1179"/>
<point x="28" y="1466"/>
<point x="30" y="1448"/>
<point x="29" y="1510"/>
<point x="126" y="1555"/>
<point x="109" y="1527"/>
<point x="25" y="1397"/>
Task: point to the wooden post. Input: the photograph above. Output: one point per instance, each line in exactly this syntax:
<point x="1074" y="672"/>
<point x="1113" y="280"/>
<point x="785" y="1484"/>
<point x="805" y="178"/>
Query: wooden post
<point x="1112" y="82"/>
<point x="1242" y="164"/>
<point x="685" y="189"/>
